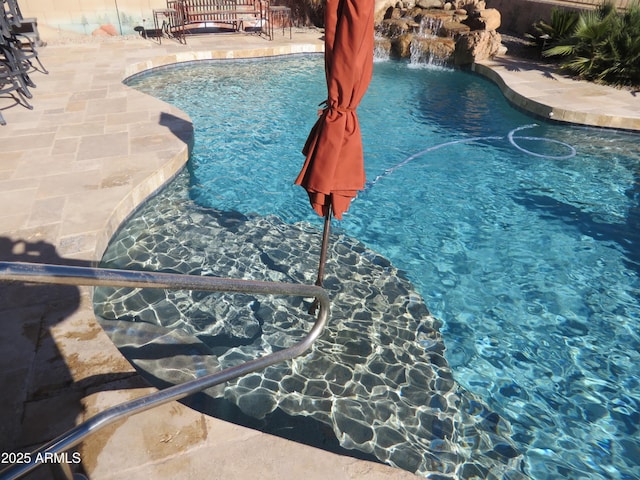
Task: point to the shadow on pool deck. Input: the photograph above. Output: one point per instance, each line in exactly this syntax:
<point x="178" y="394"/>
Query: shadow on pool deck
<point x="71" y="171"/>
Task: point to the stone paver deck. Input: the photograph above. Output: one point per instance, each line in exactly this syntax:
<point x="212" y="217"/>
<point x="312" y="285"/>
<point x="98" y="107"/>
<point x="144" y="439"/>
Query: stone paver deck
<point x="71" y="171"/>
<point x="540" y="90"/>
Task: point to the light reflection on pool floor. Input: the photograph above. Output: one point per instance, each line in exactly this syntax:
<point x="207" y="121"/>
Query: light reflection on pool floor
<point x="377" y="378"/>
<point x="530" y="262"/>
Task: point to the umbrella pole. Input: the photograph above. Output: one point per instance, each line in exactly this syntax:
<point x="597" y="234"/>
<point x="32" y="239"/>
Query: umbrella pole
<point x="324" y="248"/>
<point x="323" y="256"/>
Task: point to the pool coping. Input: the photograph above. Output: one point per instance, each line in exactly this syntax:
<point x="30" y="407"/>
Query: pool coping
<point x="540" y="90"/>
<point x="62" y="205"/>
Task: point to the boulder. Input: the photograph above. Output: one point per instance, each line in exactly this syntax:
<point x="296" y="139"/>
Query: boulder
<point x="429" y="4"/>
<point x="476" y="46"/>
<point x="382" y="47"/>
<point x="436" y="17"/>
<point x="393" y="13"/>
<point x="416" y="12"/>
<point x="381" y="8"/>
<point x="401" y="46"/>
<point x="429" y="49"/>
<point x="459" y="15"/>
<point x="472" y="5"/>
<point x="454" y="29"/>
<point x="413" y="26"/>
<point x="488" y="19"/>
<point x="492" y="18"/>
<point x="479" y="6"/>
<point x="394" y="27"/>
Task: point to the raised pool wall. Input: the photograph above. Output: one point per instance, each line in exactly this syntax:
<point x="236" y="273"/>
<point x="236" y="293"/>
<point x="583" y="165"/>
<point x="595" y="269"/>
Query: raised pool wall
<point x="87" y="16"/>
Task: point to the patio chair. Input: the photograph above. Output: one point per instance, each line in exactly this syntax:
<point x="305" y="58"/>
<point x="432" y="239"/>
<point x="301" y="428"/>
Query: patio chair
<point x="11" y="81"/>
<point x="18" y="55"/>
<point x="5" y="24"/>
<point x="26" y="50"/>
<point x="18" y="65"/>
<point x="12" y="12"/>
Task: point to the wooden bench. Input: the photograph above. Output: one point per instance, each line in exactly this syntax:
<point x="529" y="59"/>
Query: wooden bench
<point x="237" y="14"/>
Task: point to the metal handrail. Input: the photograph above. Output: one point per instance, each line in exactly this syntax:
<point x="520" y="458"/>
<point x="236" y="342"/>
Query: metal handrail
<point x="66" y="275"/>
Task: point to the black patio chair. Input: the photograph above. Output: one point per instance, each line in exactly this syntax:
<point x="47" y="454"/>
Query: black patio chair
<point x="26" y="51"/>
<point x="19" y="66"/>
<point x="18" y="56"/>
<point x="11" y="81"/>
<point x="12" y="12"/>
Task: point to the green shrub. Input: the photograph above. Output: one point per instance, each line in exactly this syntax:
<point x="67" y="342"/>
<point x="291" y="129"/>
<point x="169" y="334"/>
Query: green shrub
<point x="604" y="46"/>
<point x="560" y="26"/>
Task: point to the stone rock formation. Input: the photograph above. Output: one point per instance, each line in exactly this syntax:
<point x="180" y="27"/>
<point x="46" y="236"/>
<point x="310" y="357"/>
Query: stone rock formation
<point x="458" y="32"/>
<point x="487" y="19"/>
<point x="477" y="45"/>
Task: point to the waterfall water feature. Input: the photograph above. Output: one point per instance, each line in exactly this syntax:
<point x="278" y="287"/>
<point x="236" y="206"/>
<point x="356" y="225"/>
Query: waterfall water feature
<point x="427" y="47"/>
<point x="430" y="26"/>
<point x="423" y="41"/>
<point x="380" y="49"/>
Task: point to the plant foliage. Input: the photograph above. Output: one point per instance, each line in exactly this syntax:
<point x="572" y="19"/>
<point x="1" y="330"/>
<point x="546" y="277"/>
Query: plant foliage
<point x="560" y="26"/>
<point x="602" y="45"/>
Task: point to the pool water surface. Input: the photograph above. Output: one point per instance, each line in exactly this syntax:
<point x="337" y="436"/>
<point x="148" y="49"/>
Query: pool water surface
<point x="521" y="237"/>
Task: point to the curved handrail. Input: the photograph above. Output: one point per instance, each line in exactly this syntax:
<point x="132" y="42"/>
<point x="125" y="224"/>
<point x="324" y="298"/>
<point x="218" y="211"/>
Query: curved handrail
<point x="66" y="275"/>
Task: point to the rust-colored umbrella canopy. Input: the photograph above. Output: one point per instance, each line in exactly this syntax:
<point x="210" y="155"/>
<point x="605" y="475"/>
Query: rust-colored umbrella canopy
<point x="333" y="171"/>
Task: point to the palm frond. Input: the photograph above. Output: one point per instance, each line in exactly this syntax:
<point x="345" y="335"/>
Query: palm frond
<point x="559" y="51"/>
<point x="603" y="46"/>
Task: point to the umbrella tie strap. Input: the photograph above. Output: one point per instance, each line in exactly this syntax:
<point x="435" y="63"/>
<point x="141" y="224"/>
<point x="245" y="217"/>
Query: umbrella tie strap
<point x="342" y="109"/>
<point x="328" y="107"/>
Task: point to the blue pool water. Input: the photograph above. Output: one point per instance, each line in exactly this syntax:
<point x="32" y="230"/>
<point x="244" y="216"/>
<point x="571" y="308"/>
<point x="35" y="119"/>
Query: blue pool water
<point x="522" y="236"/>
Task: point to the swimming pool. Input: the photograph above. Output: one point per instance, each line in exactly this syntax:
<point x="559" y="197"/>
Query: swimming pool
<point x="522" y="240"/>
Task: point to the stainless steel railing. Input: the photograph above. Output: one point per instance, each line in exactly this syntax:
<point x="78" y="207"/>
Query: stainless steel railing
<point x="54" y="274"/>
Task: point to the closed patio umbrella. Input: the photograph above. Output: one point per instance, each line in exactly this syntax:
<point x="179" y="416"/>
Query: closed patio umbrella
<point x="333" y="171"/>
